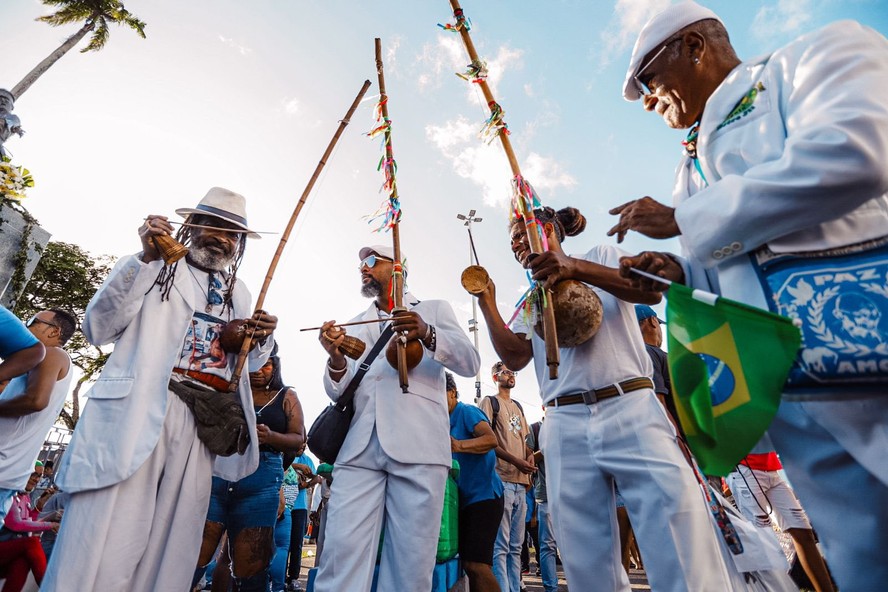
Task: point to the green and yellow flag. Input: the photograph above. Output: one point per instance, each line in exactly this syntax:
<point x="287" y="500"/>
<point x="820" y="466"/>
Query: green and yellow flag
<point x="728" y="363"/>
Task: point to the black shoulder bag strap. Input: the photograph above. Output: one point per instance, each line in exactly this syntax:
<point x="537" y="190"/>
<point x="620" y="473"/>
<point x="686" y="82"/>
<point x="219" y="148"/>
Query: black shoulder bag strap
<point x="348" y="394"/>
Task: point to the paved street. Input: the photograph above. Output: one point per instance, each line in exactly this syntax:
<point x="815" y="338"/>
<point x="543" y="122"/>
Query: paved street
<point x="533" y="582"/>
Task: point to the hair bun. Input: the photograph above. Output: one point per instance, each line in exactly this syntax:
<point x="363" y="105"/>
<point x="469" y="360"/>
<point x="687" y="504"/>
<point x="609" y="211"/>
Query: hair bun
<point x="573" y="221"/>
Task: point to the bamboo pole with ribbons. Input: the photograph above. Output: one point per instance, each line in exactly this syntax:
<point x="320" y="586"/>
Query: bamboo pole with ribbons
<point x="523" y="193"/>
<point x="389" y="165"/>
<point x="260" y="301"/>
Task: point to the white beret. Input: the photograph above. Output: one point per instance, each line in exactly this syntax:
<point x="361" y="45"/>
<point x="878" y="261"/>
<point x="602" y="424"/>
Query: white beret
<point x="657" y="30"/>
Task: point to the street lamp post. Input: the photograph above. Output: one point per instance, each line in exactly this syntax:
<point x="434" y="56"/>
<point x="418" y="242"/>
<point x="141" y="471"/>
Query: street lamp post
<point x="468" y="220"/>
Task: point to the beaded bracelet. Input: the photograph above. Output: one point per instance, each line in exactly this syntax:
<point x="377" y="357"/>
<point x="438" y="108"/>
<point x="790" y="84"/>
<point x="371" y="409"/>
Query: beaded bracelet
<point x="433" y="342"/>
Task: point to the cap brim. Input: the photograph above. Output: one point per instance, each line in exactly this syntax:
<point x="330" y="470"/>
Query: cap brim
<point x="185" y="212"/>
<point x="631" y="92"/>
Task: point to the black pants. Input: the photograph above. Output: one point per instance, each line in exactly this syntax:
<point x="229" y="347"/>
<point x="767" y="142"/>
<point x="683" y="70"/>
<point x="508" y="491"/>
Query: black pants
<point x="297" y="535"/>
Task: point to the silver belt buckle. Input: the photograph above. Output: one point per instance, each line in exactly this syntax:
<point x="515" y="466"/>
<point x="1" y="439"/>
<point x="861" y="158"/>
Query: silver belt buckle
<point x="589" y="397"/>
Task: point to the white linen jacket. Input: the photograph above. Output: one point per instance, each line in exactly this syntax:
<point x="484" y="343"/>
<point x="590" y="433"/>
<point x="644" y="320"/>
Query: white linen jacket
<point x="805" y="169"/>
<point x="120" y="426"/>
<point x="412" y="427"/>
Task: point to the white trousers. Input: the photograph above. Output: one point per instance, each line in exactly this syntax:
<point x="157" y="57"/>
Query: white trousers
<point x="763" y="494"/>
<point x="142" y="534"/>
<point x="371" y="490"/>
<point x="834" y="455"/>
<point x="627" y="440"/>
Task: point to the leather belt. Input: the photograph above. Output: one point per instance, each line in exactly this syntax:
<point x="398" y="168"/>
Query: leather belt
<point x="595" y="395"/>
<point x="211" y="380"/>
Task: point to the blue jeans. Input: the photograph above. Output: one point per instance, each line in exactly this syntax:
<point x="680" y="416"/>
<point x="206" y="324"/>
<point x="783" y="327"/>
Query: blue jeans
<point x="250" y="502"/>
<point x="547" y="550"/>
<point x="281" y="548"/>
<point x="507" y="548"/>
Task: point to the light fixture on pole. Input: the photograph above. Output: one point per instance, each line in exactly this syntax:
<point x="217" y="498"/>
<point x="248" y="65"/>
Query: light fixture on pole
<point x="468" y="220"/>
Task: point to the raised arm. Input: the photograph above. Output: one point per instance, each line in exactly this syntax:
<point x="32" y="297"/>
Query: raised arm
<point x="41" y="381"/>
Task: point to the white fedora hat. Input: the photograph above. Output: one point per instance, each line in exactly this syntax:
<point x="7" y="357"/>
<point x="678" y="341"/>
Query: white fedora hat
<point x="657" y="30"/>
<point x="224" y="204"/>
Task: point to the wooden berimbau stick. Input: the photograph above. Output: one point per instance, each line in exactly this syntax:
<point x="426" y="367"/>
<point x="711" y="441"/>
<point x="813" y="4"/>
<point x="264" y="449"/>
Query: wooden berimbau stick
<point x="248" y="340"/>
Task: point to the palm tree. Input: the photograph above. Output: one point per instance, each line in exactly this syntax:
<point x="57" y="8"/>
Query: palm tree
<point x="95" y="15"/>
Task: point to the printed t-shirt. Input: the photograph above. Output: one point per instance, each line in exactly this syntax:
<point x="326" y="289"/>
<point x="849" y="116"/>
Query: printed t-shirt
<point x="511" y="430"/>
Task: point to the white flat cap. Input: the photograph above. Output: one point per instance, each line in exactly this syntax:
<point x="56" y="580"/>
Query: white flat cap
<point x="657" y="30"/>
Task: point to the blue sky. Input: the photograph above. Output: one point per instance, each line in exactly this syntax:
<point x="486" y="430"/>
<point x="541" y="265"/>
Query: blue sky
<point x="247" y="95"/>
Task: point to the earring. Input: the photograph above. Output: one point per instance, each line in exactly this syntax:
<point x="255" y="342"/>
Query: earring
<point x="696" y="60"/>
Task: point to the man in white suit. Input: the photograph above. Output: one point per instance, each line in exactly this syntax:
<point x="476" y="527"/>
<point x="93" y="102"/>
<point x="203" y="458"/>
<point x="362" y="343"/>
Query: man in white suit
<point x="140" y="461"/>
<point x="393" y="465"/>
<point x="781" y="203"/>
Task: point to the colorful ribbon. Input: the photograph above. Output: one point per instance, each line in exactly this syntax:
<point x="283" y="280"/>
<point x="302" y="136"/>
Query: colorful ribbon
<point x="494" y="126"/>
<point x="476" y="72"/>
<point x="462" y="22"/>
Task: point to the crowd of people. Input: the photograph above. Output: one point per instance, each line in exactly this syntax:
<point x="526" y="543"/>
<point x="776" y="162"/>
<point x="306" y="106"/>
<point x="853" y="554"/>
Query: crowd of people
<point x="183" y="469"/>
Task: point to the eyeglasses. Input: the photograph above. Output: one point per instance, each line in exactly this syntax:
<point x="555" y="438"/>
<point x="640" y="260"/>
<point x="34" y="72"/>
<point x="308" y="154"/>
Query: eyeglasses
<point x="370" y="261"/>
<point x="507" y="373"/>
<point x="36" y="319"/>
<point x="643" y="87"/>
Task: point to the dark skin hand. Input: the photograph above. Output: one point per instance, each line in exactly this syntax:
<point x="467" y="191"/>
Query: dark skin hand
<point x="646" y="216"/>
<point x="154" y="226"/>
<point x="409" y="325"/>
<point x="331" y="337"/>
<point x="654" y="263"/>
<point x="552" y="267"/>
<point x="264" y="323"/>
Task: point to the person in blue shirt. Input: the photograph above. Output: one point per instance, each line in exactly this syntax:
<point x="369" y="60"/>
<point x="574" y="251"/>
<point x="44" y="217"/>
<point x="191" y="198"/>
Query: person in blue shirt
<point x="472" y="442"/>
<point x="19" y="349"/>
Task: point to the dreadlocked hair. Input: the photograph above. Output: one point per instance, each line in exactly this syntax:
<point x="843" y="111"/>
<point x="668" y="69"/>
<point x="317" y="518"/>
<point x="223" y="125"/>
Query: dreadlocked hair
<point x="567" y="221"/>
<point x="184" y="235"/>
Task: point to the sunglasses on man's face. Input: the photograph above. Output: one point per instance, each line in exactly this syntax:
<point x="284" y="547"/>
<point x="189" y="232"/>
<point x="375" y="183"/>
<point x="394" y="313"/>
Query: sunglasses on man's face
<point x="643" y="82"/>
<point x="370" y="261"/>
<point x="36" y="319"/>
<point x="507" y="373"/>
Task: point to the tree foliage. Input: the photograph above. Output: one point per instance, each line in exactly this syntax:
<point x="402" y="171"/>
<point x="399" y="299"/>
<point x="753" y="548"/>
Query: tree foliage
<point x="67" y="277"/>
<point x="95" y="16"/>
<point x="98" y="13"/>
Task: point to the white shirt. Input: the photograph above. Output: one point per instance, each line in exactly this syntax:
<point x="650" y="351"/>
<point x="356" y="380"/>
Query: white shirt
<point x="21" y="438"/>
<point x="616" y="353"/>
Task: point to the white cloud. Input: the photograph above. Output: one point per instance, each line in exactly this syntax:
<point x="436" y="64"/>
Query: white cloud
<point x="529" y="90"/>
<point x="486" y="165"/>
<point x="626" y="22"/>
<point x="506" y="59"/>
<point x="291" y="106"/>
<point x="483" y="164"/>
<point x="390" y="54"/>
<point x="239" y="47"/>
<point x="786" y="16"/>
<point x="445" y="54"/>
<point x="546" y="173"/>
<point x="448" y="55"/>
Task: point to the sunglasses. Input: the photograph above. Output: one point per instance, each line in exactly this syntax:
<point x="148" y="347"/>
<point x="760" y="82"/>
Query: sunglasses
<point x="507" y="373"/>
<point x="370" y="261"/>
<point x="36" y="319"/>
<point x="643" y="87"/>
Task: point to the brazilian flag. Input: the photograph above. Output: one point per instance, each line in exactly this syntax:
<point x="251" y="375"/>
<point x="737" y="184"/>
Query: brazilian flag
<point x="728" y="363"/>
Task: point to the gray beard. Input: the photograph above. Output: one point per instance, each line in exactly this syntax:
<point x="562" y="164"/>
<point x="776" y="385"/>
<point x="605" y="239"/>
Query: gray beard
<point x="209" y="260"/>
<point x="371" y="289"/>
